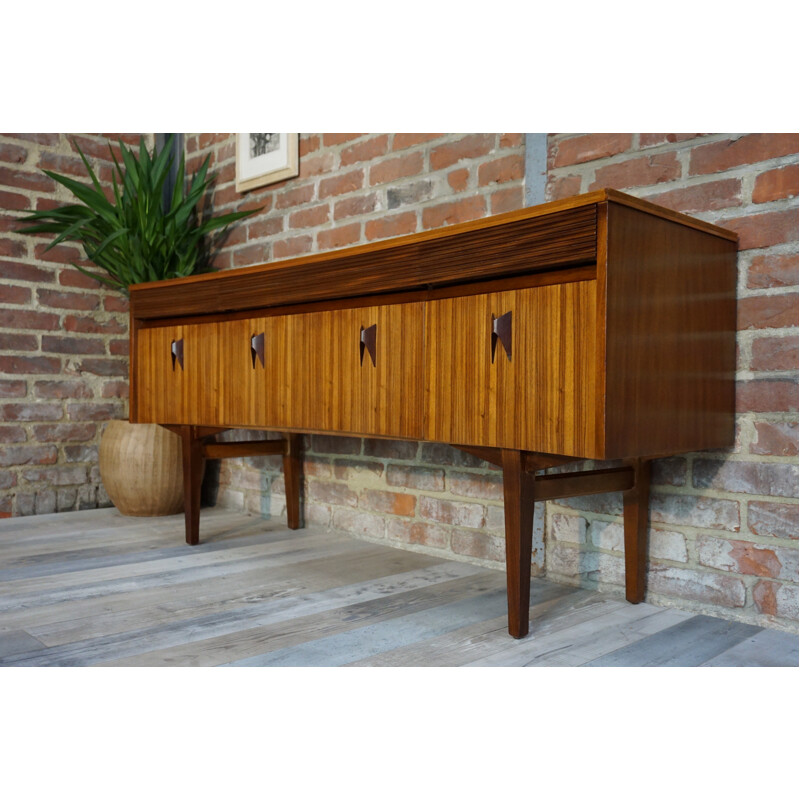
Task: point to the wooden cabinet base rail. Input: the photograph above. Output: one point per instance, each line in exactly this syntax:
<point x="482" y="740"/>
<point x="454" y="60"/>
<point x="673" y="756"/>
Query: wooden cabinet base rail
<point x="599" y="327"/>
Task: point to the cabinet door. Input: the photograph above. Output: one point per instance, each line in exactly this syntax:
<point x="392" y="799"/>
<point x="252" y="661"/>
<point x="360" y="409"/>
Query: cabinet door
<point x="357" y="370"/>
<point x="177" y="375"/>
<point x="253" y="382"/>
<point x="525" y="381"/>
<point x="469" y="384"/>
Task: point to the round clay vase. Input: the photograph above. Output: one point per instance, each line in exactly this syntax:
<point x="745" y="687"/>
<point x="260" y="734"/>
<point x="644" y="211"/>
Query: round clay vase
<point x="142" y="469"/>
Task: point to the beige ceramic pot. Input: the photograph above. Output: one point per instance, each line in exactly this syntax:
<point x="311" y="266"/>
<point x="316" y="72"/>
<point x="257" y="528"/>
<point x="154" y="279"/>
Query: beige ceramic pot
<point x="141" y="468"/>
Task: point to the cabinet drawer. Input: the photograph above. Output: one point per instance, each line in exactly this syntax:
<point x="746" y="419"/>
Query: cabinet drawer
<point x="356" y="370"/>
<point x="515" y="369"/>
<point x="177" y="375"/>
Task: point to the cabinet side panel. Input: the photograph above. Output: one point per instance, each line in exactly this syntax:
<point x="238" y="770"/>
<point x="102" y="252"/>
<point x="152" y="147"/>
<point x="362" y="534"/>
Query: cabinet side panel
<point x="670" y="336"/>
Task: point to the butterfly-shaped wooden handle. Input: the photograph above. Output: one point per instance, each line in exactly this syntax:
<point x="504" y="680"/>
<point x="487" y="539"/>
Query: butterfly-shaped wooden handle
<point x="177" y="352"/>
<point x="257" y="348"/>
<point x="501" y="330"/>
<point x="368" y="340"/>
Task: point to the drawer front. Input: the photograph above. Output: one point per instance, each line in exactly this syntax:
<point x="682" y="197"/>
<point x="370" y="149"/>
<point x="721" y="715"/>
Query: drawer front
<point x="356" y="370"/>
<point x="514" y="369"/>
<point x="177" y="375"/>
<point x="253" y="380"/>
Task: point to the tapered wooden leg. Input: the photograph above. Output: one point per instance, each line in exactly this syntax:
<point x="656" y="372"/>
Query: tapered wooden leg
<point x="192" y="480"/>
<point x="636" y="503"/>
<point x="293" y="479"/>
<point x="519" y="504"/>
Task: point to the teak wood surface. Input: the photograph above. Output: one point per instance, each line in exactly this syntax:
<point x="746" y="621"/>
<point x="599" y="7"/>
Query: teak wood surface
<point x="600" y="327"/>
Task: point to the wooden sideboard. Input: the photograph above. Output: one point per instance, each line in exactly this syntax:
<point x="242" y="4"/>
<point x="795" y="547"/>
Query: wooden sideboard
<point x="600" y="327"/>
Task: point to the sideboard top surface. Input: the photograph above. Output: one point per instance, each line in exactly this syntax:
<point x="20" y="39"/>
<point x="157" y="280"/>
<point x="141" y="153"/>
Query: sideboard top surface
<point x="554" y="235"/>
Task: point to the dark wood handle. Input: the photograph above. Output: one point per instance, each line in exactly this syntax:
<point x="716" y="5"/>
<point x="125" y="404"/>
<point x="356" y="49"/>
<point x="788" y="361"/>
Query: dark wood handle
<point x="177" y="352"/>
<point x="501" y="329"/>
<point x="257" y="348"/>
<point x="368" y="341"/>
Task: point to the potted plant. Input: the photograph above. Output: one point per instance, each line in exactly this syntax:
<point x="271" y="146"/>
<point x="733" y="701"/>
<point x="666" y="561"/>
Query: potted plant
<point x="138" y="235"/>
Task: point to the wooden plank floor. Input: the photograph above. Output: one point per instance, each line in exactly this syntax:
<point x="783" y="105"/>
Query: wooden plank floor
<point x="94" y="588"/>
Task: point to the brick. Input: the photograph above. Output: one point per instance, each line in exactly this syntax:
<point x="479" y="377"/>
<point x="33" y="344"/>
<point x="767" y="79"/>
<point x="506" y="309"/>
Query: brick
<point x="76" y="324"/>
<point x="13" y="248"/>
<point x="309" y="143"/>
<point x="13" y="154"/>
<point x="776" y="184"/>
<point x="296" y="246"/>
<point x="767" y="311"/>
<point x="654" y="139"/>
<point x="512" y="140"/>
<point x="56" y="476"/>
<point x="341" y="236"/>
<point x="445" y="455"/>
<point x="119" y="347"/>
<point x="567" y="528"/>
<point x="333" y="139"/>
<point x="14" y="271"/>
<point x="775" y="439"/>
<point x="17" y="342"/>
<point x="364" y="151"/>
<point x="451" y="213"/>
<point x="502" y="170"/>
<point x="310" y="217"/>
<point x="316" y="165"/>
<point x="766" y="396"/>
<point x="646" y="171"/>
<point x="763" y="230"/>
<point x="401" y="141"/>
<point x="590" y="147"/>
<point x="457" y="179"/>
<point x="354" y="206"/>
<point x="388" y="502"/>
<point x="92" y="411"/>
<point x="387" y="226"/>
<point x="709" y="196"/>
<point x="13" y="388"/>
<point x="472" y="146"/>
<point x="510" y="199"/>
<point x="393" y="169"/>
<point x="428" y="480"/>
<point x="449" y="512"/>
<point x="775" y="600"/>
<point x="470" y="484"/>
<point x="419" y="533"/>
<point x="699" y="512"/>
<point x="341" y="184"/>
<point x="746" y="558"/>
<point x="28" y="320"/>
<point x="73" y="345"/>
<point x="768" y="271"/>
<point x="295" y="197"/>
<point x="30" y="412"/>
<point x="702" y="587"/>
<point x="478" y="545"/>
<point x="346" y="469"/>
<point x="60" y="254"/>
<point x="107" y="367"/>
<point x="77" y="301"/>
<point x="772" y="519"/>
<point x="65" y="432"/>
<point x="11" y="201"/>
<point x="29" y="181"/>
<point x="32" y="365"/>
<point x="359" y="523"/>
<point x="28" y="454"/>
<point x="409" y="194"/>
<point x="252" y="254"/>
<point x="76" y="280"/>
<point x="747" y="477"/>
<point x="749" y="149"/>
<point x="261" y="228"/>
<point x="12" y="434"/>
<point x="7" y="479"/>
<point x="80" y="452"/>
<point x="669" y="472"/>
<point x="389" y="448"/>
<point x="336" y="445"/>
<point x="567" y="186"/>
<point x="116" y="389"/>
<point x="774" y="353"/>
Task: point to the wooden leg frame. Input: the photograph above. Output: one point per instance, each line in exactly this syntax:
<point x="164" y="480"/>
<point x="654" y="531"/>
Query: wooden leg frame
<point x="199" y="445"/>
<point x="522" y="488"/>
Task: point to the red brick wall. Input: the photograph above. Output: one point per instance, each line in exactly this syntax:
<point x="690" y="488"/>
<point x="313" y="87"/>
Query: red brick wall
<point x="724" y="524"/>
<point x="63" y="338"/>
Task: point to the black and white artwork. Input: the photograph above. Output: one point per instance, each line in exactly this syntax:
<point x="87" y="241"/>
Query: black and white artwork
<point x="265" y="158"/>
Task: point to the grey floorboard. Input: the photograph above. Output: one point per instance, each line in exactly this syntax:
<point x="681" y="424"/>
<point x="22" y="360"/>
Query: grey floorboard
<point x="94" y="588"/>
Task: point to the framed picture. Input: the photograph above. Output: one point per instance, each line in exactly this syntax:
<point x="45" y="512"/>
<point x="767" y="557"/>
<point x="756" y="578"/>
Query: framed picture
<point x="264" y="158"/>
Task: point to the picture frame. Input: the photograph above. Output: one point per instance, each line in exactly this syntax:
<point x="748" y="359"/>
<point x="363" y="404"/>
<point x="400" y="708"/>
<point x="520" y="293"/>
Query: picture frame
<point x="265" y="158"/>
